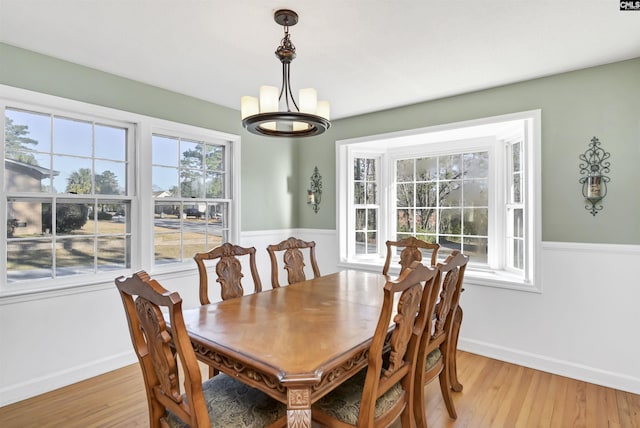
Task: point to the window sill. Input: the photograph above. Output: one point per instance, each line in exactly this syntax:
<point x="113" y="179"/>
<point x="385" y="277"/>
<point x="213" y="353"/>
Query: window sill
<point x="50" y="288"/>
<point x="473" y="276"/>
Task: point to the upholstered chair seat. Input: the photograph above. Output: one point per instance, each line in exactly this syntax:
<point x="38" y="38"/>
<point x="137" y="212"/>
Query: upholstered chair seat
<point x="382" y="393"/>
<point x="433" y="358"/>
<point x="343" y="403"/>
<point x="178" y="398"/>
<point x="231" y="403"/>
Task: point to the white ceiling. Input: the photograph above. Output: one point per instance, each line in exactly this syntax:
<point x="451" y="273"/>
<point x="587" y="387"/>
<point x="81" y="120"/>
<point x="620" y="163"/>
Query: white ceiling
<point x="361" y="55"/>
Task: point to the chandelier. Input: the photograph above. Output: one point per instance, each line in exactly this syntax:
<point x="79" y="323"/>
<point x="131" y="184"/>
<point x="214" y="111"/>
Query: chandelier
<point x="263" y="116"/>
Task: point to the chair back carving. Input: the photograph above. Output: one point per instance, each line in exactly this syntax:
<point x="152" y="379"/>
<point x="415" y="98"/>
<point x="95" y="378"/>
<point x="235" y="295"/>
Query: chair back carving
<point x="228" y="271"/>
<point x="155" y="345"/>
<point x="436" y="344"/>
<point x="411" y="252"/>
<point x="451" y="276"/>
<point x="293" y="260"/>
<point x="415" y="288"/>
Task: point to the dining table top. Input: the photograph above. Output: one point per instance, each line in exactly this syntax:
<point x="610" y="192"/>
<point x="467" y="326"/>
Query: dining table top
<point x="297" y="342"/>
<point x="297" y="329"/>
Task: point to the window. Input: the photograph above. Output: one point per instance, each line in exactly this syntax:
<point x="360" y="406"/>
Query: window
<point x="68" y="204"/>
<point x="469" y="186"/>
<point x="515" y="208"/>
<point x="365" y="205"/>
<point x="444" y="199"/>
<point x="191" y="196"/>
<point x="86" y="187"/>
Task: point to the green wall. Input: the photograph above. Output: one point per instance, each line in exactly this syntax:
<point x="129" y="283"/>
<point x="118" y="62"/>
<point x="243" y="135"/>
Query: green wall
<point x="601" y="101"/>
<point x="267" y="166"/>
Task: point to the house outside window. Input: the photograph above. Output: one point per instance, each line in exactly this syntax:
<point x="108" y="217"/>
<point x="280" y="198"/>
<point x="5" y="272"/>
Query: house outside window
<point x="68" y="202"/>
<point x="469" y="186"/>
<point x="191" y="189"/>
<point x="85" y="186"/>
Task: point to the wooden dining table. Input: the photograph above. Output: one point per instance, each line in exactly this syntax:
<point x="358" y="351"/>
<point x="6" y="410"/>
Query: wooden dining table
<point x="299" y="342"/>
<point x="295" y="343"/>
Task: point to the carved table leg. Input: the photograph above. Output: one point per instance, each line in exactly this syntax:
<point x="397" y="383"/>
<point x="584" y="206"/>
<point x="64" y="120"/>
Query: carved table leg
<point x="453" y="369"/>
<point x="299" y="407"/>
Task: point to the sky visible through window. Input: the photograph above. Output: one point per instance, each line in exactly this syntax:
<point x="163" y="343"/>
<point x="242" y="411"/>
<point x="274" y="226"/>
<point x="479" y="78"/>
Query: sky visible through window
<point x="71" y="142"/>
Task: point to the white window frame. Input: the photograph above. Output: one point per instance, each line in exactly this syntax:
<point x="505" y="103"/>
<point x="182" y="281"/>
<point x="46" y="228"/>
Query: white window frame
<point x="380" y="205"/>
<point x="139" y="186"/>
<point x="484" y="134"/>
<point x="232" y="182"/>
<point x="443" y="149"/>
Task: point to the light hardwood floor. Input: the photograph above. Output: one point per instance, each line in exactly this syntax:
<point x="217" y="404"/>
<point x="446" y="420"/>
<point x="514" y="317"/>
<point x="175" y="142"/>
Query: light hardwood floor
<point x="496" y="394"/>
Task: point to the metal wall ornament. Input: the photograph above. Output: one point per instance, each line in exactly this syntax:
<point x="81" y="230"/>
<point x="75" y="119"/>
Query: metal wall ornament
<point x="594" y="167"/>
<point x="314" y="194"/>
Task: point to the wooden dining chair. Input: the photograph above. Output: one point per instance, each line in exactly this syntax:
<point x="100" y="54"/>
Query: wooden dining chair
<point x="228" y="270"/>
<point x="293" y="260"/>
<point x="379" y="394"/>
<point x="437" y="343"/>
<point x="412" y="249"/>
<point x="222" y="401"/>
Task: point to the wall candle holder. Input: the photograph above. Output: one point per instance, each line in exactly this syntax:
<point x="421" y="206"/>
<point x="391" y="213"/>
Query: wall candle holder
<point x="594" y="167"/>
<point x="314" y="194"/>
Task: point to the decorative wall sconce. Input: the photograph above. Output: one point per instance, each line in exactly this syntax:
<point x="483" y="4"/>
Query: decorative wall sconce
<point x="593" y="167"/>
<point x="314" y="194"/>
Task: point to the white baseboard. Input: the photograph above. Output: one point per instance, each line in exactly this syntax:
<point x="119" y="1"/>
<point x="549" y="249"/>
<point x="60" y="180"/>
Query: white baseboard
<point x="552" y="365"/>
<point x="52" y="381"/>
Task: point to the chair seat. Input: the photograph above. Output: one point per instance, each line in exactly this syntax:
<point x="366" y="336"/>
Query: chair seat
<point x="343" y="403"/>
<point x="231" y="403"/>
<point x="433" y="358"/>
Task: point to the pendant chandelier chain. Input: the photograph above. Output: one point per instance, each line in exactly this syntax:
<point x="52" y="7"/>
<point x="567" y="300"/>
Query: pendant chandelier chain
<point x="286" y="53"/>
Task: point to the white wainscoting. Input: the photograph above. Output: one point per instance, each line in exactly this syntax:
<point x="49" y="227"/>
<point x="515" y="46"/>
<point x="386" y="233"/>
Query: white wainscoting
<point x="583" y="325"/>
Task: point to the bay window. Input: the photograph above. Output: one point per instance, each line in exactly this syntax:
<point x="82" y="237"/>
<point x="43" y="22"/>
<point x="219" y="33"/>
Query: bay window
<point x="468" y="186"/>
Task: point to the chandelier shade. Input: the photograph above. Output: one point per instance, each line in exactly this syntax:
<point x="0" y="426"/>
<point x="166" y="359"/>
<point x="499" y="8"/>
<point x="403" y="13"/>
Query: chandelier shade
<point x="276" y="113"/>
